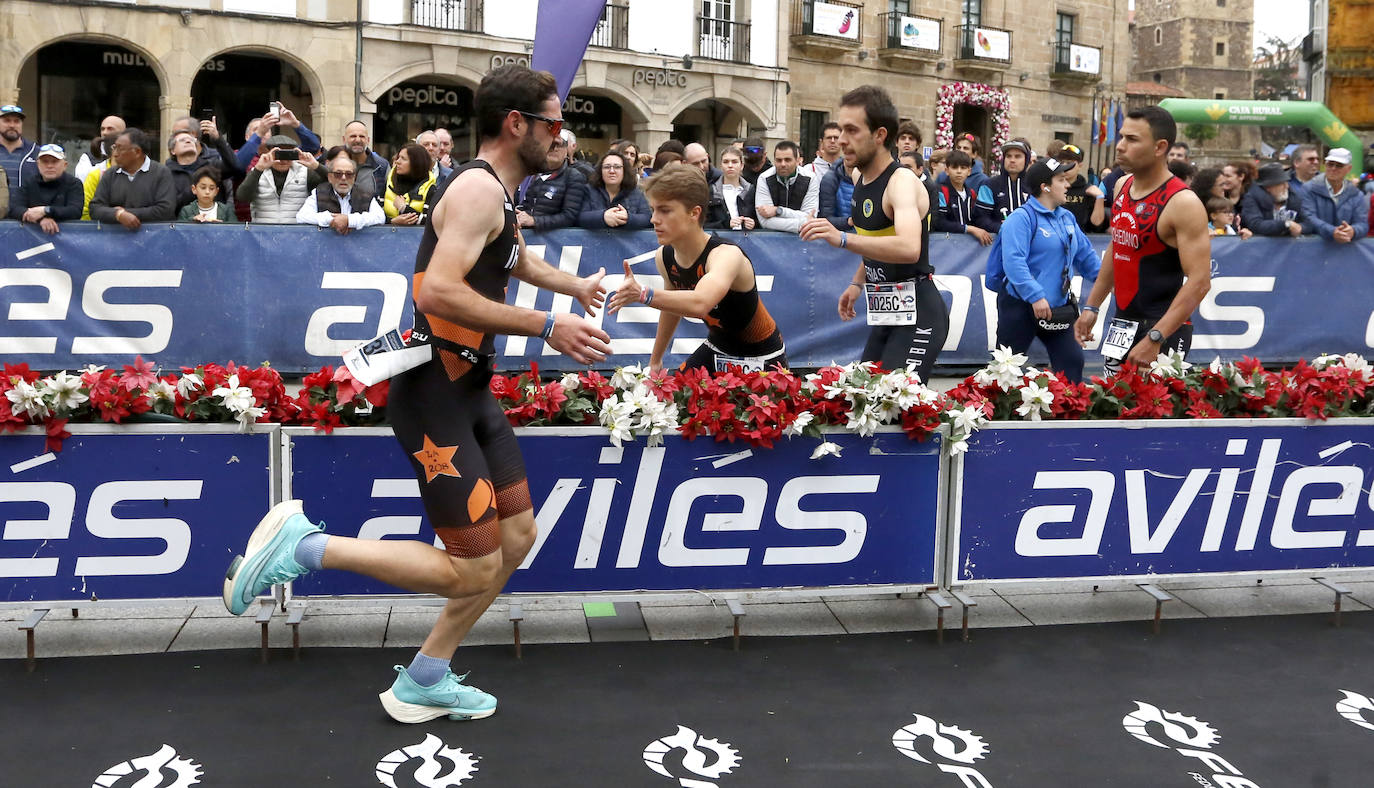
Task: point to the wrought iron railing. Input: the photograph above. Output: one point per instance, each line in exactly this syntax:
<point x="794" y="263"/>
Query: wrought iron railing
<point x="804" y="17"/>
<point x="613" y="31"/>
<point x="465" y="15"/>
<point x="1063" y="58"/>
<point x="722" y="39"/>
<point x="971" y="47"/>
<point x="892" y="24"/>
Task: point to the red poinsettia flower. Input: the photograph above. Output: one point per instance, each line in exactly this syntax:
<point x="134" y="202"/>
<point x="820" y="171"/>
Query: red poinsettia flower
<point x="139" y="375"/>
<point x="349" y="386"/>
<point x="56" y="433"/>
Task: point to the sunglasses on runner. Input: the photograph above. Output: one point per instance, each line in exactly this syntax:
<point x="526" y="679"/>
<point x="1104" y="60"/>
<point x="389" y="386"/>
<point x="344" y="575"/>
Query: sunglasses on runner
<point x="555" y="124"/>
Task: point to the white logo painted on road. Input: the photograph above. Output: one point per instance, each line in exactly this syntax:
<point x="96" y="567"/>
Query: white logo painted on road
<point x="703" y="757"/>
<point x="437" y="759"/>
<point x="185" y="771"/>
<point x="1353" y="706"/>
<point x="955" y="745"/>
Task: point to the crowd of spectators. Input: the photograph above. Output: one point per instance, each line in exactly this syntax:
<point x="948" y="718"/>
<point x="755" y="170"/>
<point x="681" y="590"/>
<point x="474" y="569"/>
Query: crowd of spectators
<point x="284" y="174"/>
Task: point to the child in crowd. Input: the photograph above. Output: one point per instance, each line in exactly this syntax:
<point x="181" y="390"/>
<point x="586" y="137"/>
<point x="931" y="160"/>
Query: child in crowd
<point x="936" y="164"/>
<point x="205" y="186"/>
<point x="960" y="209"/>
<point x="1220" y="215"/>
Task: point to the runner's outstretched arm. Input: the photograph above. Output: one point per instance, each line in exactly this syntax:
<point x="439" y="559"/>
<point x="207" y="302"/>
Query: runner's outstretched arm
<point x="909" y="203"/>
<point x="534" y="269"/>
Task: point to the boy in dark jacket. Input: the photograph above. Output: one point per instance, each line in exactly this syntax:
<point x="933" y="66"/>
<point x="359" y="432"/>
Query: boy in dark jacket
<point x="961" y="210"/>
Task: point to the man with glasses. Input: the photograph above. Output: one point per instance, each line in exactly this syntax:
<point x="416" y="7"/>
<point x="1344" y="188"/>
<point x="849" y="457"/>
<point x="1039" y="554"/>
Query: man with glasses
<point x="1087" y="203"/>
<point x="552" y="199"/>
<point x="756" y="161"/>
<point x="462" y="448"/>
<point x="138" y="189"/>
<point x="278" y="185"/>
<point x="828" y="151"/>
<point x="1307" y="165"/>
<point x="1335" y="207"/>
<point x="340" y="204"/>
<point x="18" y="156"/>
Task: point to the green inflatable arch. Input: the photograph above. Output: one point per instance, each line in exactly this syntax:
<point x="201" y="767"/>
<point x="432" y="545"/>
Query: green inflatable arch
<point x="1314" y="116"/>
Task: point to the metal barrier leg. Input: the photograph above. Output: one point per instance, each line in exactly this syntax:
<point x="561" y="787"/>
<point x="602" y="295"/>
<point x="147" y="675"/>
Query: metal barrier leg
<point x="737" y="611"/>
<point x="293" y="619"/>
<point x="264" y="616"/>
<point x="941" y="605"/>
<point x="30" y="642"/>
<point x="1161" y="596"/>
<point x="517" y="614"/>
<point x="967" y="602"/>
<point x="1340" y="591"/>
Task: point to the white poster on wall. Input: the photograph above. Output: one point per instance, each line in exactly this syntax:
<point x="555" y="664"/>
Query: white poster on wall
<point x="994" y="44"/>
<point x="920" y="33"/>
<point x="840" y="21"/>
<point x="1085" y="59"/>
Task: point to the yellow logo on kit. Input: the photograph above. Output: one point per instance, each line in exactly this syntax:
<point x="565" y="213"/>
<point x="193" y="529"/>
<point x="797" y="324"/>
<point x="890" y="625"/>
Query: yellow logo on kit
<point x="868" y="208"/>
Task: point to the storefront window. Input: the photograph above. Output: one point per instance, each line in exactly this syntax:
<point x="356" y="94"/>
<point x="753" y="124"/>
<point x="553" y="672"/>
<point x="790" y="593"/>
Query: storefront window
<point x="80" y="83"/>
<point x="237" y="88"/>
<point x="412" y="107"/>
<point x="596" y="120"/>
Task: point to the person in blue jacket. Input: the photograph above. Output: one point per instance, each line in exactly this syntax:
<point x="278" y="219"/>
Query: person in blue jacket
<point x="1031" y="266"/>
<point x="611" y="200"/>
<point x="1336" y="208"/>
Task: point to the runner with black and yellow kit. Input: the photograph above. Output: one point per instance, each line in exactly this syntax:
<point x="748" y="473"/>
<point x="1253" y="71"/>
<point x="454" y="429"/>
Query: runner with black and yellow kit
<point x="705" y="278"/>
<point x="462" y="448"/>
<point x="907" y="318"/>
<point x="1159" y="238"/>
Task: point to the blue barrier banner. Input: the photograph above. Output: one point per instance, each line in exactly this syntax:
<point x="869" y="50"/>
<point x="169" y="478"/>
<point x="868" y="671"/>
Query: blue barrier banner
<point x="1110" y="501"/>
<point x="687" y="515"/>
<point x="300" y="296"/>
<point x="116" y="515"/>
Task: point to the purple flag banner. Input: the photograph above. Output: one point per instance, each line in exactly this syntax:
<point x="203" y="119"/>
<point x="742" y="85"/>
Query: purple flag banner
<point x="561" y="34"/>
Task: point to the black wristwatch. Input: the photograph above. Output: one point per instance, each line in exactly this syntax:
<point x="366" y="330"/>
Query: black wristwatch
<point x="1154" y="336"/>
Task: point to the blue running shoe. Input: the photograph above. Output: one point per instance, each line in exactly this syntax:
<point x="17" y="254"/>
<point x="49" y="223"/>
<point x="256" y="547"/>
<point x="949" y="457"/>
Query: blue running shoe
<point x="270" y="556"/>
<point x="407" y="701"/>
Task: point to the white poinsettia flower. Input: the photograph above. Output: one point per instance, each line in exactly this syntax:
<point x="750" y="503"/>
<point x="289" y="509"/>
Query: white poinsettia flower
<point x="826" y="449"/>
<point x="93" y="369"/>
<point x="1035" y="400"/>
<point x="1004" y="357"/>
<point x="189" y="383"/>
<point x="863" y="421"/>
<point x="235" y="397"/>
<point x="800" y="423"/>
<point x="627" y="377"/>
<point x="247" y="417"/>
<point x="63" y="390"/>
<point x="1357" y="363"/>
<point x="570" y="381"/>
<point x="27" y="399"/>
<point x="958" y="445"/>
<point x="967" y="419"/>
<point x="1216" y="366"/>
<point x="161" y="390"/>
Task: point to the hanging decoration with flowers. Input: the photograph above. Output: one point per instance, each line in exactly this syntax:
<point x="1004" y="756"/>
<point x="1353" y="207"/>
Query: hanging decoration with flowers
<point x="996" y="100"/>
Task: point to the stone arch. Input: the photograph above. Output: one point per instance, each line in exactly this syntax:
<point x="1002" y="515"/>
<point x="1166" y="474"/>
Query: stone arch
<point x="627" y="99"/>
<point x="752" y="112"/>
<point x="465" y="76"/>
<point x="312" y="79"/>
<point x="153" y="62"/>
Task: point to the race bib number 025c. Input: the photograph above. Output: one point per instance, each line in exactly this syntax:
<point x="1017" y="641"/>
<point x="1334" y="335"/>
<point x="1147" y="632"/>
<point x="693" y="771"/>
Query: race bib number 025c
<point x="891" y="303"/>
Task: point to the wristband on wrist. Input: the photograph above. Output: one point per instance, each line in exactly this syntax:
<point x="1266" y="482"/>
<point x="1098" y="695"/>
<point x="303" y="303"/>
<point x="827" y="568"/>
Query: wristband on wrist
<point x="647" y="297"/>
<point x="548" y="326"/>
<point x="844" y="240"/>
<point x="856" y="284"/>
<point x="1091" y="308"/>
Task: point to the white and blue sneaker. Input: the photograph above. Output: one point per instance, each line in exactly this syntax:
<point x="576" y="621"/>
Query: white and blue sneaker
<point x="270" y="557"/>
<point x="407" y="701"/>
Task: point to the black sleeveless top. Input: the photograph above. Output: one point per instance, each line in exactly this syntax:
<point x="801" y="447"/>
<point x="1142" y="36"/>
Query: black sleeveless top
<point x="740" y="324"/>
<point x="1148" y="272"/>
<point x="488" y="276"/>
<point x="866" y="211"/>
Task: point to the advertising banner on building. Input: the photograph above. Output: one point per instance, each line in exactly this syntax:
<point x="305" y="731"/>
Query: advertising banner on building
<point x="992" y="44"/>
<point x="1087" y="60"/>
<point x="115" y="515"/>
<point x="300" y="296"/>
<point x="1097" y="500"/>
<point x="840" y="21"/>
<point x="689" y="514"/>
<point x="920" y="33"/>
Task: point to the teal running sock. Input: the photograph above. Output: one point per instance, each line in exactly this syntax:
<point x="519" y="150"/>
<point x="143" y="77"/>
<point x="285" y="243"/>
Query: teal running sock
<point x="310" y="551"/>
<point x="426" y="671"/>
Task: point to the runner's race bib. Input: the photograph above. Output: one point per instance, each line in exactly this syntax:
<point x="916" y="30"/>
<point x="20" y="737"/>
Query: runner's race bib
<point x="891" y="303"/>
<point x="744" y="363"/>
<point x="384" y="357"/>
<point x="1120" y="338"/>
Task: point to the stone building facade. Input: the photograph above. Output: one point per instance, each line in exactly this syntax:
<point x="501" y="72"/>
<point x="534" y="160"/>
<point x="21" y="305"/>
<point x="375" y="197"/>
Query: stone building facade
<point x="1203" y="48"/>
<point x="1045" y="72"/>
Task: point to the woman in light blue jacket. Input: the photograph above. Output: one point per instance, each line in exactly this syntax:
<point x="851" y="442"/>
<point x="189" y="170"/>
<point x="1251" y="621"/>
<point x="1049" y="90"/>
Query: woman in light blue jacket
<point x="1031" y="266"/>
<point x="611" y="200"/>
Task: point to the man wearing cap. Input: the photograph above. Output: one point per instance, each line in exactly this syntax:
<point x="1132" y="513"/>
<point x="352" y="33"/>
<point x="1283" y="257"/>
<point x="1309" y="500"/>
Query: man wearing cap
<point x="18" y="156"/>
<point x="137" y="189"/>
<point x="54" y="196"/>
<point x="1271" y="208"/>
<point x="1008" y="191"/>
<point x="280" y="182"/>
<point x="1085" y="201"/>
<point x="1031" y="266"/>
<point x="1336" y="209"/>
<point x="755" y="160"/>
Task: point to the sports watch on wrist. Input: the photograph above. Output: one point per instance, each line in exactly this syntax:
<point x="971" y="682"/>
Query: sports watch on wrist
<point x="1154" y="336"/>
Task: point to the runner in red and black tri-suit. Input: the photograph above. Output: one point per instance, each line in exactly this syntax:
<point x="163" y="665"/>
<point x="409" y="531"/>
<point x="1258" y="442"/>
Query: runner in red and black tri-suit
<point x="1160" y="265"/>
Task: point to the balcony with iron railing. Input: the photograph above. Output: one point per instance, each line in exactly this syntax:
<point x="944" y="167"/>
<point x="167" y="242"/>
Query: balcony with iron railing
<point x="722" y="39"/>
<point x="978" y="51"/>
<point x="833" y="28"/>
<point x="463" y="15"/>
<point x="910" y="37"/>
<point x="1075" y="62"/>
<point x="613" y="30"/>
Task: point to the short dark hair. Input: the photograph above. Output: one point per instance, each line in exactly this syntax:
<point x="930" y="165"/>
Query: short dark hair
<point x="1162" y="125"/>
<point x="909" y="127"/>
<point x="665" y="157"/>
<point x="830" y="124"/>
<point x="787" y="145"/>
<point x="676" y="146"/>
<point x="915" y="156"/>
<point x="137" y="138"/>
<point x="971" y="139"/>
<point x="878" y="109"/>
<point x="958" y="158"/>
<point x="207" y="171"/>
<point x="1215" y="204"/>
<point x="512" y="87"/>
<point x="1180" y="144"/>
<point x="1182" y="170"/>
